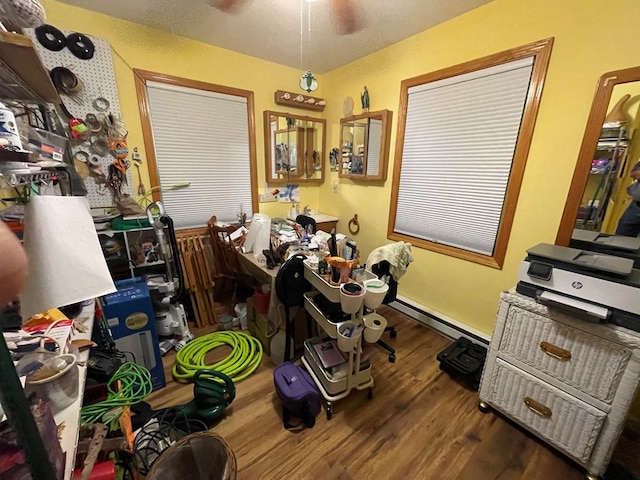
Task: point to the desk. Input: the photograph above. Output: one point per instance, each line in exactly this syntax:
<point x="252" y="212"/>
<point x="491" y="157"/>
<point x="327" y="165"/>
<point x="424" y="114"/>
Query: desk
<point x="275" y="315"/>
<point x="264" y="276"/>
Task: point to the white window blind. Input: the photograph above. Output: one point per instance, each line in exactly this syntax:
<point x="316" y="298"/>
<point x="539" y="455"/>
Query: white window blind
<point x="201" y="137"/>
<point x="459" y="142"/>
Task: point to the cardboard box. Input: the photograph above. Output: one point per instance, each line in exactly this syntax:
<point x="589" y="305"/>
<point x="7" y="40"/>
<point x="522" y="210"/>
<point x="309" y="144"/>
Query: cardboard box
<point x="130" y="317"/>
<point x="258" y="325"/>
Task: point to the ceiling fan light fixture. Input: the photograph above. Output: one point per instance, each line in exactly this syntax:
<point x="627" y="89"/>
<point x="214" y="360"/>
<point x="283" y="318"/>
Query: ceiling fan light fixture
<point x="349" y="17"/>
<point x="228" y="6"/>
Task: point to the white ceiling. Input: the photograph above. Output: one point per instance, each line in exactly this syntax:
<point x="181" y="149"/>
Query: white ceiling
<point x="272" y="29"/>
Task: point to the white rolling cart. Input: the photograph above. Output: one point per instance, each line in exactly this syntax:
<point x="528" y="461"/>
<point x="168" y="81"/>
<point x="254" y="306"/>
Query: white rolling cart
<point x="357" y="377"/>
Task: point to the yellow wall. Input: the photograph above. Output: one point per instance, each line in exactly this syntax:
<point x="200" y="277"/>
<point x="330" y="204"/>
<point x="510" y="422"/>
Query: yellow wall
<point x="136" y="46"/>
<point x="590" y="39"/>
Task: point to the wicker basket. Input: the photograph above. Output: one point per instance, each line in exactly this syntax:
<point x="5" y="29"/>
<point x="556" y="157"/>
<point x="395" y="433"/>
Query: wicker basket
<point x="203" y="452"/>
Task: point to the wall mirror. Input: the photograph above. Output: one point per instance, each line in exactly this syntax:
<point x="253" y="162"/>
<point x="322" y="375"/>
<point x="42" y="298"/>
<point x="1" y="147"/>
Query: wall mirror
<point x="294" y="148"/>
<point x="597" y="196"/>
<point x="364" y="141"/>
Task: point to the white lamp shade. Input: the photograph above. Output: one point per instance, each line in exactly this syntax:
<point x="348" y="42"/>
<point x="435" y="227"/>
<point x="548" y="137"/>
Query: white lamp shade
<point x="66" y="264"/>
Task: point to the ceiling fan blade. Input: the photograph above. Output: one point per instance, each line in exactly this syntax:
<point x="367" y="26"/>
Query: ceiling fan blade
<point x="349" y="17"/>
<point x="228" y="6"/>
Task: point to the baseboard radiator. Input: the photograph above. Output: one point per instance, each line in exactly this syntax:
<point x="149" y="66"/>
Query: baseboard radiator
<point x="444" y="325"/>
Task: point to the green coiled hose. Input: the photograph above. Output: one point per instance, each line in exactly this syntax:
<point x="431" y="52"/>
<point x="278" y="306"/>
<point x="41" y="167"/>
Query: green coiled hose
<point x="130" y="384"/>
<point x="244" y="359"/>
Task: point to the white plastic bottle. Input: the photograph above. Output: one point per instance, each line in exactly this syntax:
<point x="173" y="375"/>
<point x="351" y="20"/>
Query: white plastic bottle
<point x="8" y="127"/>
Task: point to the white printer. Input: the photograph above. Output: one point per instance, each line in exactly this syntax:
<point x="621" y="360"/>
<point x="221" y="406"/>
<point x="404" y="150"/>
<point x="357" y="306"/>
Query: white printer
<point x="596" y="286"/>
<point x="618" y="245"/>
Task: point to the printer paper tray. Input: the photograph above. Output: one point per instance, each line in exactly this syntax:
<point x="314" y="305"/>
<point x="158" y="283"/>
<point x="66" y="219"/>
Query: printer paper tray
<point x="614" y="316"/>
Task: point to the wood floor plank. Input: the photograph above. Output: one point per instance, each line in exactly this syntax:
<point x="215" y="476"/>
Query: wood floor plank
<point x="420" y="424"/>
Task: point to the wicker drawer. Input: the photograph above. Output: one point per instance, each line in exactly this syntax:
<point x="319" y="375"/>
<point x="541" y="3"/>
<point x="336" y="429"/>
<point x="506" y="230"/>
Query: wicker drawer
<point x="562" y="420"/>
<point x="587" y="362"/>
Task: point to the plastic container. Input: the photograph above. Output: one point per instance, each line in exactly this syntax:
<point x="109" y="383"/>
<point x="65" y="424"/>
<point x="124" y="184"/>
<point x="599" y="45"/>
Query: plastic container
<point x="348" y="334"/>
<point x="351" y="297"/>
<point x="61" y="389"/>
<point x="375" y="291"/>
<point x="374" y="324"/>
<point x="8" y="127"/>
<point x="261" y="301"/>
<point x="226" y="322"/>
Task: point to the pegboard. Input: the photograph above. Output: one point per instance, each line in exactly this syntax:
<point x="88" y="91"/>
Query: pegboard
<point x="98" y="78"/>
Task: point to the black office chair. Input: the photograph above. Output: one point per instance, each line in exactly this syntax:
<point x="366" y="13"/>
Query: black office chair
<point x="290" y="289"/>
<point x="304" y="220"/>
<point x="381" y="270"/>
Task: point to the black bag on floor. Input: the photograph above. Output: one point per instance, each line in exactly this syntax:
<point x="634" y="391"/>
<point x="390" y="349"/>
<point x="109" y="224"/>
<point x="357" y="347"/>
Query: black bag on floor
<point x="464" y="359"/>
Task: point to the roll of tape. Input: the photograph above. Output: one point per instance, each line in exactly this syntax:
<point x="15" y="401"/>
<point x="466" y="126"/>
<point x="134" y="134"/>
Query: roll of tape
<point x="100" y="145"/>
<point x="94" y="161"/>
<point x="81" y="156"/>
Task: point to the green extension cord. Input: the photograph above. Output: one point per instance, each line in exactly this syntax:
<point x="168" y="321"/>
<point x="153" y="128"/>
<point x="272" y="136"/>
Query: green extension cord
<point x="243" y="360"/>
<point x="135" y="385"/>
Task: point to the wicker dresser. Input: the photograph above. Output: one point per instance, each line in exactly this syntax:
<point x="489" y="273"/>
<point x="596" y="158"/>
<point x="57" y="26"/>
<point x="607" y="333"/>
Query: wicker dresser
<point x="568" y="381"/>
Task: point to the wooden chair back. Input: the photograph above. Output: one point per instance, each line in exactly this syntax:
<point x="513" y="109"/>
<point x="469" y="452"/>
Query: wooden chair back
<point x="226" y="262"/>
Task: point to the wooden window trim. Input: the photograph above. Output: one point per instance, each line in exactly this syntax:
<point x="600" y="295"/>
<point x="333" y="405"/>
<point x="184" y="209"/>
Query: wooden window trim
<point x="597" y="114"/>
<point x="541" y="50"/>
<point x="141" y="78"/>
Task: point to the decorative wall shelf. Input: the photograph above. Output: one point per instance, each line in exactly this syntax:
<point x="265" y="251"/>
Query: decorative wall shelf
<point x="299" y="100"/>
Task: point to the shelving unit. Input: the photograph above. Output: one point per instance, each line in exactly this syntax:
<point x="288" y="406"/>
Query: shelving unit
<point x="358" y="376"/>
<point x="121" y="262"/>
<point x="24" y="78"/>
<point x="609" y="159"/>
<point x="22" y="75"/>
<point x="70" y="416"/>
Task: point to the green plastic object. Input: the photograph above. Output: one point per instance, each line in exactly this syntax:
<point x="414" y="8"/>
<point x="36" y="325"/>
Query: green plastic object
<point x="213" y="391"/>
<point x="119" y="223"/>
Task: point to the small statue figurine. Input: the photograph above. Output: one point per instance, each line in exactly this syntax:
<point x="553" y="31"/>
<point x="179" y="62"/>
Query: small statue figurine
<point x="364" y="98"/>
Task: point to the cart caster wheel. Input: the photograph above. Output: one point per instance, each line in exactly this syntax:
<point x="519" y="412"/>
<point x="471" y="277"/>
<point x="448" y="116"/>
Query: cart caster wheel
<point x="393" y="334"/>
<point x="370" y="393"/>
<point x="329" y="411"/>
<point x="392" y="358"/>
<point x="483" y="407"/>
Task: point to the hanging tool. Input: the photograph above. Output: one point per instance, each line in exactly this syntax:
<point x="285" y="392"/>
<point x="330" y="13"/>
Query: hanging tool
<point x="141" y="189"/>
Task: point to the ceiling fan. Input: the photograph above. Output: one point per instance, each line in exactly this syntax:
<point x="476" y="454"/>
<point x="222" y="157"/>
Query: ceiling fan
<point x="348" y="16"/>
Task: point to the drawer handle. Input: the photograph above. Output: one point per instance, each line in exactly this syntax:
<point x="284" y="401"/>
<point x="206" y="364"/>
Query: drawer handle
<point x="555" y="352"/>
<point x="537" y="407"/>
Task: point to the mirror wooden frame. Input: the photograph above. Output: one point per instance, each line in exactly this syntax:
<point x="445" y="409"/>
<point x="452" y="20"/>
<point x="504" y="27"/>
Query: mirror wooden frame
<point x="598" y="112"/>
<point x="385" y="143"/>
<point x="297" y="178"/>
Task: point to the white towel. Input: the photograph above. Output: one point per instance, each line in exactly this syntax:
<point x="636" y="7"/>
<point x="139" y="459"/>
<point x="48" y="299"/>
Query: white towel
<point x="397" y="254"/>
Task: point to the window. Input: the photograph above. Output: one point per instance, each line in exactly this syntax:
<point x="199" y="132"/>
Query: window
<point x="202" y="134"/>
<point x="463" y="139"/>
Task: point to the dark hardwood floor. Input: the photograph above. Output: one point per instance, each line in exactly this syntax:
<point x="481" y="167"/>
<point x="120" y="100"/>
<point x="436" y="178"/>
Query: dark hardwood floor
<point x="420" y="424"/>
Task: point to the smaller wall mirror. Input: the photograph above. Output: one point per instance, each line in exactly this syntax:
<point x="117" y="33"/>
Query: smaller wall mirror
<point x="364" y="141"/>
<point x="294" y="148"/>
